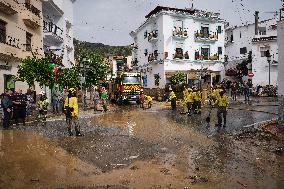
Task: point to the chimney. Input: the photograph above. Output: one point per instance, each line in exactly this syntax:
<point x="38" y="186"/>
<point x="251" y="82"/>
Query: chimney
<point x="256" y="22"/>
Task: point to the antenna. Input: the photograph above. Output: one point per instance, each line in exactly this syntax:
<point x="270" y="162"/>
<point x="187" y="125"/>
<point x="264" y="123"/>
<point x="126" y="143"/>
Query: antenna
<point x="191" y="3"/>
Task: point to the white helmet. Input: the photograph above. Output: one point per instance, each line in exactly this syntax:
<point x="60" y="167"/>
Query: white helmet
<point x="42" y="93"/>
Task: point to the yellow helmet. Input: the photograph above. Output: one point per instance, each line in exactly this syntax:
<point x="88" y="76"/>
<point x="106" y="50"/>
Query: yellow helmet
<point x="72" y="90"/>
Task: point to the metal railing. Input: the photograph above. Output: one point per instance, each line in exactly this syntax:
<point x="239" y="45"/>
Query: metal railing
<point x="9" y="40"/>
<point x="51" y="27"/>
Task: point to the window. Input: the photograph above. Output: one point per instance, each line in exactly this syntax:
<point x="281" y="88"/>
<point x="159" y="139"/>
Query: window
<point x="29" y="41"/>
<point x="240" y="34"/>
<point x="220" y="50"/>
<point x="146" y="52"/>
<point x="2" y="31"/>
<point x="204" y="30"/>
<point x="262" y="30"/>
<point x="145" y="34"/>
<point x="243" y="50"/>
<point x="219" y="30"/>
<point x="263" y="51"/>
<point x="232" y="38"/>
<point x="205" y="52"/>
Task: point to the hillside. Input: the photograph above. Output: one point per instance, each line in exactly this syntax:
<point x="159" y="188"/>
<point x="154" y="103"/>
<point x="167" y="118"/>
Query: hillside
<point x="83" y="47"/>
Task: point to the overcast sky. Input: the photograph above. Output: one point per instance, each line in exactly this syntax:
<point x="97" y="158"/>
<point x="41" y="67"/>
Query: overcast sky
<point x="110" y="21"/>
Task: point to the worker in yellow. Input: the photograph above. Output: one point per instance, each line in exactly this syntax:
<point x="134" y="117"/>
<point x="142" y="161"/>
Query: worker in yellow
<point x="173" y="99"/>
<point x="185" y="100"/>
<point x="190" y="101"/>
<point x="196" y="100"/>
<point x="222" y="104"/>
<point x="71" y="112"/>
<point x="148" y="102"/>
<point x="42" y="105"/>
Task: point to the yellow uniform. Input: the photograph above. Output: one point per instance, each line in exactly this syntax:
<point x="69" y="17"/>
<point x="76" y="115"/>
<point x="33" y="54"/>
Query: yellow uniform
<point x="222" y="103"/>
<point x="73" y="104"/>
<point x="172" y="95"/>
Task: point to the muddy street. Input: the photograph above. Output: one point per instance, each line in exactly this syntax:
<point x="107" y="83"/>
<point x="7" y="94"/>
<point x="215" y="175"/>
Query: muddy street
<point x="133" y="148"/>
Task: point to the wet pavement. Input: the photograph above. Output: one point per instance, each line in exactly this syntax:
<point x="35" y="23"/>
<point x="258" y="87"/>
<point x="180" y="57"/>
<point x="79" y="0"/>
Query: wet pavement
<point x="133" y="148"/>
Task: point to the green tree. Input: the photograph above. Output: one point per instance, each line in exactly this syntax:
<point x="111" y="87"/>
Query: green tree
<point x="96" y="71"/>
<point x="178" y="78"/>
<point x="35" y="70"/>
<point x="68" y="77"/>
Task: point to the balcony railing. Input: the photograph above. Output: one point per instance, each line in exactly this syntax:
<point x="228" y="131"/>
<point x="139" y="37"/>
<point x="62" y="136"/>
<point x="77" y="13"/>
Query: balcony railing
<point x="213" y="57"/>
<point x="50" y="27"/>
<point x="153" y="36"/>
<point x="152" y="57"/>
<point x="206" y="36"/>
<point x="180" y="33"/>
<point x="33" y="9"/>
<point x="8" y="40"/>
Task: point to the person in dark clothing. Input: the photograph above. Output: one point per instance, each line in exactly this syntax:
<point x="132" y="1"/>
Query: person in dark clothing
<point x="19" y="107"/>
<point x="7" y="106"/>
<point x="246" y="92"/>
<point x="234" y="89"/>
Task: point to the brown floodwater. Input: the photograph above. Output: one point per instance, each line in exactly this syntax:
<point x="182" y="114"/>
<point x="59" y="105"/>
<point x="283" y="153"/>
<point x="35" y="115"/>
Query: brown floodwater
<point x="132" y="148"/>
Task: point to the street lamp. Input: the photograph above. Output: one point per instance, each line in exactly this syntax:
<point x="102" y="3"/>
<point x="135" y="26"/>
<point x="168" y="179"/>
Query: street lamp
<point x="268" y="56"/>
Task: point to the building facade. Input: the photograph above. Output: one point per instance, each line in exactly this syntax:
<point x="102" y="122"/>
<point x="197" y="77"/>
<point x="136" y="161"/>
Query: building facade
<point x="281" y="71"/>
<point x="257" y="38"/>
<point x="179" y="40"/>
<point x="58" y="30"/>
<point x="20" y="37"/>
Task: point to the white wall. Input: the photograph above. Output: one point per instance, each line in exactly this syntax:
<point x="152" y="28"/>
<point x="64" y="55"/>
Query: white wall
<point x="243" y="36"/>
<point x="281" y="57"/>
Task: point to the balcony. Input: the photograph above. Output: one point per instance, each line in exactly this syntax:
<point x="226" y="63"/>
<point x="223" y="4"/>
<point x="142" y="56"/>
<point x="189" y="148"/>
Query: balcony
<point x="52" y="8"/>
<point x="204" y="57"/>
<point x="9" y="47"/>
<point x="204" y="37"/>
<point x="180" y="34"/>
<point x="153" y="58"/>
<point x="52" y="33"/>
<point x="31" y="16"/>
<point x="264" y="39"/>
<point x="9" y="8"/>
<point x="153" y="36"/>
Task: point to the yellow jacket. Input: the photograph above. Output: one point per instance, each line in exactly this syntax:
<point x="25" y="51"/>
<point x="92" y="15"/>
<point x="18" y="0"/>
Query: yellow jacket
<point x="172" y="95"/>
<point x="190" y="97"/>
<point x="148" y="98"/>
<point x="185" y="96"/>
<point x="72" y="104"/>
<point x="197" y="96"/>
<point x="222" y="101"/>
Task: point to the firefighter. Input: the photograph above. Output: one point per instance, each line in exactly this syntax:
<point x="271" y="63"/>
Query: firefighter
<point x="190" y="101"/>
<point x="71" y="112"/>
<point x="173" y="99"/>
<point x="197" y="101"/>
<point x="222" y="104"/>
<point x="42" y="105"/>
<point x="185" y="100"/>
<point x="148" y="101"/>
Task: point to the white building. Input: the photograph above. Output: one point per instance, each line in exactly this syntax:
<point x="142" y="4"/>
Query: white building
<point x="257" y="38"/>
<point x="179" y="40"/>
<point x="281" y="71"/>
<point x="281" y="57"/>
<point x="58" y="29"/>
